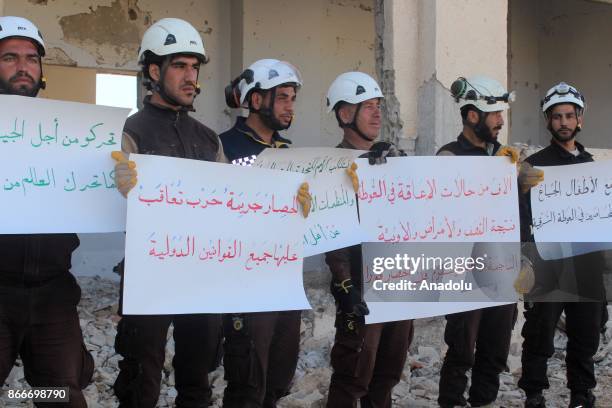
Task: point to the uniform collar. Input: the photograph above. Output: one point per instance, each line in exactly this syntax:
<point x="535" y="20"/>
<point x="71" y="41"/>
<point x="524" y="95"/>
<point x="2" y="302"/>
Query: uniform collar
<point x="466" y="145"/>
<point x="277" y="139"/>
<point x="345" y="144"/>
<point x="163" y="111"/>
<point x="582" y="153"/>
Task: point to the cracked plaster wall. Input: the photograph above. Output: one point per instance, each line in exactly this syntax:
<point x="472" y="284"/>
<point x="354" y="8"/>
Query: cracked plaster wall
<point x="426" y="45"/>
<point x="105" y="34"/>
<point x="323" y="38"/>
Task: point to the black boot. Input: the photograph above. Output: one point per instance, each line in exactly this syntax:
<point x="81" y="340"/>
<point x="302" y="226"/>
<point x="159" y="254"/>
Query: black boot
<point x="535" y="400"/>
<point x="584" y="399"/>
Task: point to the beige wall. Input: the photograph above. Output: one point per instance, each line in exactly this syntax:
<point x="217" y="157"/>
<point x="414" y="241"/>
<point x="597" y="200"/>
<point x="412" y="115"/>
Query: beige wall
<point x="561" y="40"/>
<point x="106" y="34"/>
<point x="70" y="84"/>
<point x="445" y="39"/>
<point x="323" y="38"/>
<point x="524" y="71"/>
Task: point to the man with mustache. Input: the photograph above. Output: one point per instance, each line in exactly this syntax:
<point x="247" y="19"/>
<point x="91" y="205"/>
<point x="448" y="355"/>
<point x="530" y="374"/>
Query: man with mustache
<point x="479" y="339"/>
<point x="563" y="109"/>
<point x="38" y="294"/>
<point x="171" y="55"/>
<point x="260" y="349"/>
<point x="367" y="359"/>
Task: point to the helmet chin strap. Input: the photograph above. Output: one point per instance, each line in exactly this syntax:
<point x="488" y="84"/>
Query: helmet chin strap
<point x="160" y="88"/>
<point x="267" y="114"/>
<point x="353" y="124"/>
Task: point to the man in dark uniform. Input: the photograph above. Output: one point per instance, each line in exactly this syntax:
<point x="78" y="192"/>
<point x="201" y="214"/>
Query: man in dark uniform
<point x="171" y="55"/>
<point x="563" y="108"/>
<point x="260" y="349"/>
<point x="478" y="339"/>
<point x="367" y="360"/>
<point x="38" y="294"/>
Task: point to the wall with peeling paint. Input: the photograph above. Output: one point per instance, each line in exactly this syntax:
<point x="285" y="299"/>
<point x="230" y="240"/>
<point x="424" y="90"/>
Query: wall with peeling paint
<point x="323" y="38"/>
<point x="561" y="40"/>
<point x="105" y="34"/>
<point x="427" y="45"/>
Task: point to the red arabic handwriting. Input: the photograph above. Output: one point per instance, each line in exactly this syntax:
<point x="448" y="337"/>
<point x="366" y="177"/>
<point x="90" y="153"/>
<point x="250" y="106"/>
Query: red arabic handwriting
<point x="219" y="250"/>
<point x="229" y="200"/>
<point x="445" y="228"/>
<point x="431" y="188"/>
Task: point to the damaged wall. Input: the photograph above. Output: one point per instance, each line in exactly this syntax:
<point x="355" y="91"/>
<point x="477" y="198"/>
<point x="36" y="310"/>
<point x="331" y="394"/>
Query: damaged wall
<point x="323" y="38"/>
<point x="397" y="40"/>
<point x="560" y="40"/>
<point x="105" y="34"/>
<point x="426" y="45"/>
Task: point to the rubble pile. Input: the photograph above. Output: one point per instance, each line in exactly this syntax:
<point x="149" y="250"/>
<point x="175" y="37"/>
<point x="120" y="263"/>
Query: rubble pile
<point x="418" y="387"/>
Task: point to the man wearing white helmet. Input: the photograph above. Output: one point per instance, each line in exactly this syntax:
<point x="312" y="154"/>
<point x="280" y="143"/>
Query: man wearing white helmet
<point x="563" y="109"/>
<point x="268" y="89"/>
<point x="479" y="339"/>
<point x="260" y="349"/>
<point x="38" y="294"/>
<point x="367" y="360"/>
<point x="171" y="55"/>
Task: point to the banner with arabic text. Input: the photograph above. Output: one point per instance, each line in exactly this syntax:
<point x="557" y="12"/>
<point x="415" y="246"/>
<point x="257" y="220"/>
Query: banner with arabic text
<point x="433" y="199"/>
<point x="333" y="222"/>
<point x="55" y="166"/>
<point x="212" y="238"/>
<point x="432" y="228"/>
<point x="572" y="209"/>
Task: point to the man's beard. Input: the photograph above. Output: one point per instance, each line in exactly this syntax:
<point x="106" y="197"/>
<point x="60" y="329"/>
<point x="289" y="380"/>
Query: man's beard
<point x="271" y="122"/>
<point x="561" y="138"/>
<point x="23" y="90"/>
<point x="484" y="133"/>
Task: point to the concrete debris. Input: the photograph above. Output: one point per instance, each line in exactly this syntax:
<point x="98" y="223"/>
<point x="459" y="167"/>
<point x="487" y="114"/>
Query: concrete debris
<point x="418" y="386"/>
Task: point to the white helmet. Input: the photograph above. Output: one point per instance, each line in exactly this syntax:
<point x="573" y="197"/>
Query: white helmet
<point x="562" y="93"/>
<point x="20" y="27"/>
<point x="352" y="87"/>
<point x="266" y="74"/>
<point x="485" y="93"/>
<point x="172" y="36"/>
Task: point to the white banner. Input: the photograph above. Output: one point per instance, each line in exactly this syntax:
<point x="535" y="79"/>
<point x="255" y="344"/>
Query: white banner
<point x="439" y="199"/>
<point x="572" y="209"/>
<point x="55" y="166"/>
<point x="212" y="238"/>
<point x="433" y="199"/>
<point x="333" y="222"/>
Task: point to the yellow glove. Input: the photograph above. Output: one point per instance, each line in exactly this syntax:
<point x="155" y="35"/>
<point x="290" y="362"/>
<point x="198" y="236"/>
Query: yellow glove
<point x="125" y="173"/>
<point x="512" y="152"/>
<point x="526" y="278"/>
<point x="352" y="173"/>
<point x="304" y="198"/>
<point x="529" y="176"/>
